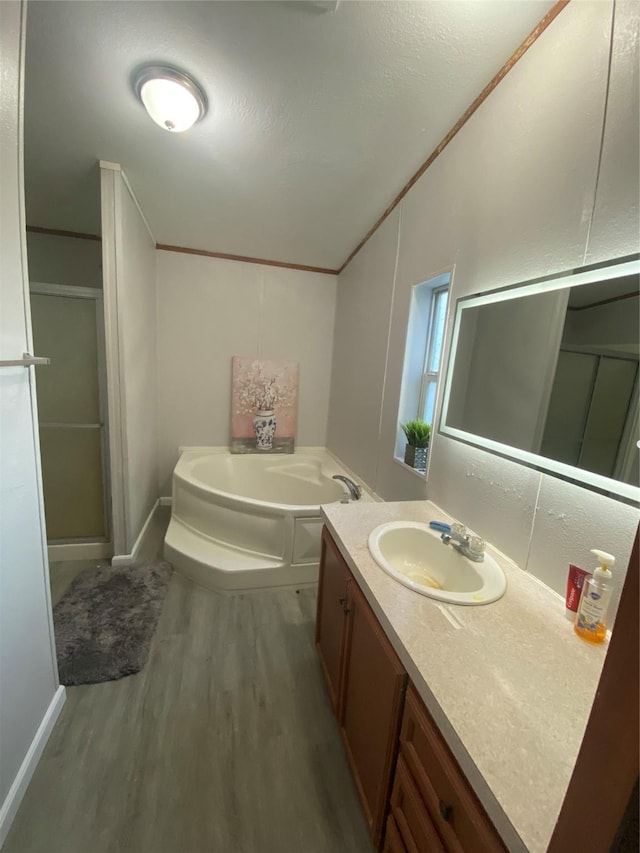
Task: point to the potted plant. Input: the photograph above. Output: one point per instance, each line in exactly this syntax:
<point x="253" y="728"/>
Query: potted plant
<point x="417" y="433"/>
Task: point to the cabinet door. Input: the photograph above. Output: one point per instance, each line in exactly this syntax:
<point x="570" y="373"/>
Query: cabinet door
<point x="331" y="615"/>
<point x="455" y="811"/>
<point x="371" y="707"/>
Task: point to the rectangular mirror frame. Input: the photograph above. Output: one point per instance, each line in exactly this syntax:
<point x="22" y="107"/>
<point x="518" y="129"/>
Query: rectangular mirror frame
<point x="615" y="268"/>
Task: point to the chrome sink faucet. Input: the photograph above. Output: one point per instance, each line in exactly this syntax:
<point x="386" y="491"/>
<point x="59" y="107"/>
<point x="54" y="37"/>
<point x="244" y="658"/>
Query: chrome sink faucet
<point x="471" y="547"/>
<point x="354" y="489"/>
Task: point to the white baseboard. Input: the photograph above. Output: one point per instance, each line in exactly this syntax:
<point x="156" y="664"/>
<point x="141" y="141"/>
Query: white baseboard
<point x="28" y="766"/>
<point x="80" y="551"/>
<point x="130" y="559"/>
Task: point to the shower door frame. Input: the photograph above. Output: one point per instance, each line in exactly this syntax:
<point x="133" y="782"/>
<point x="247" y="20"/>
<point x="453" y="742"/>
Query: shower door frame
<point x="89" y="547"/>
<point x="624" y="460"/>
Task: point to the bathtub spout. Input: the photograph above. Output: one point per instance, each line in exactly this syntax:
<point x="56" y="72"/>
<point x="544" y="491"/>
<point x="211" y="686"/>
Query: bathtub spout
<point x="354" y="489"/>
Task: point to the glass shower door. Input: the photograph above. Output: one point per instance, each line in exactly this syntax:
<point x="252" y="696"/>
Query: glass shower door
<point x="590" y="410"/>
<point x="67" y="326"/>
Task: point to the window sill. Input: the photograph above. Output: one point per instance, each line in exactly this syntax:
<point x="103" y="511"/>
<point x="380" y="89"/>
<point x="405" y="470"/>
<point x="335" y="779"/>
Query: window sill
<point x="415" y="471"/>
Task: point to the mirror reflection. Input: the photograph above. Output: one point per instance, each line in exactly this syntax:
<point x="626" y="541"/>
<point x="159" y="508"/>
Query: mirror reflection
<point x="551" y="369"/>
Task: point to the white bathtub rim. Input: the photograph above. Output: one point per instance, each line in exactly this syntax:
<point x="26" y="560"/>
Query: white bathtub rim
<point x="307" y="450"/>
<point x="310" y="450"/>
<point x="209" y="561"/>
<point x="234" y="500"/>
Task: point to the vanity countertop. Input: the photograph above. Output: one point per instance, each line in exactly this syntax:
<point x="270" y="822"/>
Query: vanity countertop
<point x="509" y="684"/>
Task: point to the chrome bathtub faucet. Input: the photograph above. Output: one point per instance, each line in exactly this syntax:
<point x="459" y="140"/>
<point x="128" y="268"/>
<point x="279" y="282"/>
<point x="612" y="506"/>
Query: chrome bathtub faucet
<point x="354" y="489"/>
<point x="471" y="547"/>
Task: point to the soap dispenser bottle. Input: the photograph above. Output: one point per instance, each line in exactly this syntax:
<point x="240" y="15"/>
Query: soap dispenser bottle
<point x="591" y="618"/>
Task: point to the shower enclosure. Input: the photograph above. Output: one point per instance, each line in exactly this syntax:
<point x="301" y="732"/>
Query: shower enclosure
<point x="68" y="326"/>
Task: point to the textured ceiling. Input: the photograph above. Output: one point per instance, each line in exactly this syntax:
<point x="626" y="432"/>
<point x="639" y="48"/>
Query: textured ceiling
<point x="317" y="118"/>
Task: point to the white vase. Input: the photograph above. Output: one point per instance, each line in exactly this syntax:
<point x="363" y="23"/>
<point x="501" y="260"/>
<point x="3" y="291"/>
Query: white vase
<point x="264" y="424"/>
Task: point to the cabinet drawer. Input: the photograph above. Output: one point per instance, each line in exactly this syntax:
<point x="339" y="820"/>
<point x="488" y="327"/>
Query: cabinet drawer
<point x="455" y="810"/>
<point x="412" y="818"/>
<point x="392" y="841"/>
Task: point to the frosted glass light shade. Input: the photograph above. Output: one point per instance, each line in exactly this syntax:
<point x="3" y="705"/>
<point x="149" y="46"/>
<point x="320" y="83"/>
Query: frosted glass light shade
<point x="173" y="99"/>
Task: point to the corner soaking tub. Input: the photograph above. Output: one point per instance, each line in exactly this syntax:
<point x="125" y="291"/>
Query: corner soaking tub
<point x="248" y="521"/>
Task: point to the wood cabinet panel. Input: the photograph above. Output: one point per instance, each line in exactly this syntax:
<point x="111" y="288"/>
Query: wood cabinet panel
<point x="371" y="708"/>
<point x="331" y="615"/>
<point x="392" y="840"/>
<point x="454" y="809"/>
<point x="411" y="817"/>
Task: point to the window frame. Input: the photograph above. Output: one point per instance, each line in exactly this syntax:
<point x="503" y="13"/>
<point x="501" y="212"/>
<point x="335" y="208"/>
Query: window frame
<point x="418" y="349"/>
<point x="432" y="377"/>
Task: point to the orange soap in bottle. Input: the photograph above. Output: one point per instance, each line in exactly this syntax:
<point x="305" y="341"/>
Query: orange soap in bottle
<point x="591" y="617"/>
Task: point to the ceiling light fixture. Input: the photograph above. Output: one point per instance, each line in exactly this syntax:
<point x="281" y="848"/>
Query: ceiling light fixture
<point x="173" y="99"/>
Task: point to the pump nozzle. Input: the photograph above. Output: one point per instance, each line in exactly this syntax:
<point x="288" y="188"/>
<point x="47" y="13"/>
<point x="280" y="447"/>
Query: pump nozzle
<point x="607" y="560"/>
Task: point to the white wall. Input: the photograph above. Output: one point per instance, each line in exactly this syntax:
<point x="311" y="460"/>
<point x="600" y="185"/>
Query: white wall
<point x="616" y="324"/>
<point x="363" y="309"/>
<point x="211" y="309"/>
<point x="137" y="304"/>
<point x="511" y="198"/>
<point x="64" y="260"/>
<point x="30" y="697"/>
<point x="129" y="262"/>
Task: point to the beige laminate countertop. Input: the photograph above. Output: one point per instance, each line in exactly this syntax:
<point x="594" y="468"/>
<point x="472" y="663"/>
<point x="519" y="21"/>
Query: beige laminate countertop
<point x="510" y="684"/>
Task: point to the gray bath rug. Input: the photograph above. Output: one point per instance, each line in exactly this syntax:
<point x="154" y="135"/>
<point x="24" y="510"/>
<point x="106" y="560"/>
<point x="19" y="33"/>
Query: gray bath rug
<point x="105" y="621"/>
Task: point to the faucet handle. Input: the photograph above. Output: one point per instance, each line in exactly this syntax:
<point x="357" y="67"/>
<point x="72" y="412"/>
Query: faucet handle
<point x="476" y="546"/>
<point x="458" y="529"/>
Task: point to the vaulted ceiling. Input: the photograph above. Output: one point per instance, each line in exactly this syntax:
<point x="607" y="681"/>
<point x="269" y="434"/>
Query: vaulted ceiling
<point x="318" y="115"/>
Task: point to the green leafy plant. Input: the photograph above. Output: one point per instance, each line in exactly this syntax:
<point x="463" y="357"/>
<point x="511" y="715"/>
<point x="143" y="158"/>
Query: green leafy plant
<point x="417" y="432"/>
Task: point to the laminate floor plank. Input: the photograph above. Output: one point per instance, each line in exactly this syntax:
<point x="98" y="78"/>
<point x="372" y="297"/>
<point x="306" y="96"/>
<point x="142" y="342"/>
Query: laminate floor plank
<point x="224" y="743"/>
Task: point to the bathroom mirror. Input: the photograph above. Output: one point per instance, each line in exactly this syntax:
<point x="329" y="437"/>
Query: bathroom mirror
<point x="546" y="372"/>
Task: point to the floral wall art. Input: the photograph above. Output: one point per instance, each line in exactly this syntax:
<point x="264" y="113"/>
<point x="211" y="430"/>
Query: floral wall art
<point x="264" y="405"/>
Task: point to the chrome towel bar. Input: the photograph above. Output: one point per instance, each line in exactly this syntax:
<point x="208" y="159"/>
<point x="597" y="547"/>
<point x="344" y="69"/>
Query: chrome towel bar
<point x="27" y="360"/>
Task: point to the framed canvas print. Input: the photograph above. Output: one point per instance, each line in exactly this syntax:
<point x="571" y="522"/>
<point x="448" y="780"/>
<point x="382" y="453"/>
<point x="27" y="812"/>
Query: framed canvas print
<point x="264" y="405"/>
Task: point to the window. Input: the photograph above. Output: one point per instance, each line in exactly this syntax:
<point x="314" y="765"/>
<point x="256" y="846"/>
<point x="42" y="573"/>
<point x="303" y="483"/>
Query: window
<point x="423" y="353"/>
<point x="435" y="342"/>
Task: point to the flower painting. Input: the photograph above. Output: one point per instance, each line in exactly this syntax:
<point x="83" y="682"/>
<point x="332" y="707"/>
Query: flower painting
<point x="264" y="405"/>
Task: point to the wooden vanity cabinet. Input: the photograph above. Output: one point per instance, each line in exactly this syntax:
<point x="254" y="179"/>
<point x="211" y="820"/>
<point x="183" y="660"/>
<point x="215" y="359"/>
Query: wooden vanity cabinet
<point x="408" y="818"/>
<point x="371" y="709"/>
<point x="450" y="817"/>
<point x="421" y="803"/>
<point x="366" y="682"/>
<point x="392" y="840"/>
<point x="331" y="616"/>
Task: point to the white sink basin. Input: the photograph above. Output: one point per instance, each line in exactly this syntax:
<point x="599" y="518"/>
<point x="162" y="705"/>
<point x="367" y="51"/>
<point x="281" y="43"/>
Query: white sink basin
<point x="415" y="556"/>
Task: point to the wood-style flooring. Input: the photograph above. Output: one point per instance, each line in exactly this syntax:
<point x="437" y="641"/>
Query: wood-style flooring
<point x="224" y="743"/>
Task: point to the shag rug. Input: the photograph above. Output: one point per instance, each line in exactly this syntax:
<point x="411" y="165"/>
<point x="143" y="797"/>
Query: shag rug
<point x="105" y="621"/>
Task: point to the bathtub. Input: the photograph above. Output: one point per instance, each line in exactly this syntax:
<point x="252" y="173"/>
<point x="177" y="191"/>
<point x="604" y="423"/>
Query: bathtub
<point x="246" y="521"/>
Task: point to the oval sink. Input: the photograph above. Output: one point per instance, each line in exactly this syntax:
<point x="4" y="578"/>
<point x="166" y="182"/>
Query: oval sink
<point x="414" y="555"/>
